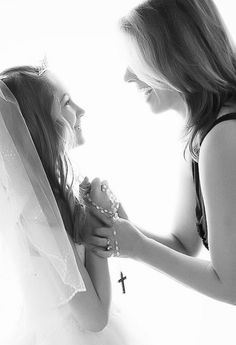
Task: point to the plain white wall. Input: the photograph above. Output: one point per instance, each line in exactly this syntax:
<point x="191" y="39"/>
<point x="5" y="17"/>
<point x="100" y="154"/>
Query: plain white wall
<point x="136" y="151"/>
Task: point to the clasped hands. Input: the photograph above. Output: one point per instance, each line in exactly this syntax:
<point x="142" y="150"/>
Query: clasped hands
<point x="103" y="234"/>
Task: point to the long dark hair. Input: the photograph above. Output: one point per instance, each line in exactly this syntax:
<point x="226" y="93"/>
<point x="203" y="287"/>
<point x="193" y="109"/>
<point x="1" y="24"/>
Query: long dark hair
<point x="185" y="44"/>
<point x="35" y="96"/>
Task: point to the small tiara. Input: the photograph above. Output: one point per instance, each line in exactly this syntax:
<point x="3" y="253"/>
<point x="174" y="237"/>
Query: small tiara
<point x="41" y="71"/>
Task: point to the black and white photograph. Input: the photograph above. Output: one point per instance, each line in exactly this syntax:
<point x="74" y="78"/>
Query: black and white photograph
<point x="117" y="172"/>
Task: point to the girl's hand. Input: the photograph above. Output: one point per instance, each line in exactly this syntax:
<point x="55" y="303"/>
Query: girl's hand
<point x="97" y="194"/>
<point x="128" y="238"/>
<point x="106" y="200"/>
<point x="100" y="201"/>
<point x="92" y="221"/>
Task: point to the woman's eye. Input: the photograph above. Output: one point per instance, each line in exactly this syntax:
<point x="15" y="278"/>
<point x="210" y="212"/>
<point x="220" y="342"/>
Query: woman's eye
<point x="67" y="102"/>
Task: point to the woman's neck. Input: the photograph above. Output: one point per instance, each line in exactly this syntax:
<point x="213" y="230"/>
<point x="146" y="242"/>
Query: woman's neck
<point x="226" y="110"/>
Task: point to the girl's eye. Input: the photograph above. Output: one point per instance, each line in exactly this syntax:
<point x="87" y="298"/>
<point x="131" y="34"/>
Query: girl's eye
<point x="67" y="102"/>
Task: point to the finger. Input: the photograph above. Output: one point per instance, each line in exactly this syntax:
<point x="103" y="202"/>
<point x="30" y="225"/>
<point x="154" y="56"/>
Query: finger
<point x="96" y="183"/>
<point x="106" y="220"/>
<point x="103" y="232"/>
<point x="85" y="185"/>
<point x="85" y="181"/>
<point x="98" y="241"/>
<point x="102" y="253"/>
<point x="104" y="185"/>
<point x="94" y="221"/>
<point x="121" y="212"/>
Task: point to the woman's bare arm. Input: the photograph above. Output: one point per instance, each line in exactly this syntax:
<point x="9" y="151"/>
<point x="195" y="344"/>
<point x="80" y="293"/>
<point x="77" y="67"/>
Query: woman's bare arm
<point x="216" y="277"/>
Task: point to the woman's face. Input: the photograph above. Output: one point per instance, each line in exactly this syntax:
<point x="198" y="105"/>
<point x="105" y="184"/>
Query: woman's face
<point x="159" y="100"/>
<point x="68" y="109"/>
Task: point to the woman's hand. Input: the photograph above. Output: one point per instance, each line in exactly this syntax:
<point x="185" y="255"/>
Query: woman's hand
<point x="122" y="213"/>
<point x="127" y="236"/>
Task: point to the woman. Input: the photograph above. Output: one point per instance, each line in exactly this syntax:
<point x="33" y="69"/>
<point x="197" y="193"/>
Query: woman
<point x="66" y="289"/>
<point x="183" y="59"/>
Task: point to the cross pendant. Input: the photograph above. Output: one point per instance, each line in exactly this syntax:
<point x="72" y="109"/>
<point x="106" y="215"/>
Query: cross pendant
<point x="121" y="280"/>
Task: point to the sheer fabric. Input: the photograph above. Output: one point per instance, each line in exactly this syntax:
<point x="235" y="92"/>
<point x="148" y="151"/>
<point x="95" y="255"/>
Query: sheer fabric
<point x="31" y="227"/>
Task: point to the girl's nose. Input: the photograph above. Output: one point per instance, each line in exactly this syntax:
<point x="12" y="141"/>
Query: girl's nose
<point x="129" y="76"/>
<point x="80" y="111"/>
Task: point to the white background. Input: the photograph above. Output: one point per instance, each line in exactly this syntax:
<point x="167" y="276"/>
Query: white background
<point x="136" y="151"/>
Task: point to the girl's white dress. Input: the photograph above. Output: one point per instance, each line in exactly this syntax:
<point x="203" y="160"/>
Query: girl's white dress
<point x="60" y="327"/>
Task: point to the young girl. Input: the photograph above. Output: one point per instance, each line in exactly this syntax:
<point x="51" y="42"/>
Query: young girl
<point x="66" y="289"/>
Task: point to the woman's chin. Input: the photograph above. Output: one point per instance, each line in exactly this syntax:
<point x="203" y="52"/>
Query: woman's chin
<point x="157" y="108"/>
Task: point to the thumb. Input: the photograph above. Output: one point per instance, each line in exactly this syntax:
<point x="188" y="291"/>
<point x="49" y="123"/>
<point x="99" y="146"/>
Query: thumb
<point x="85" y="182"/>
<point x="122" y="213"/>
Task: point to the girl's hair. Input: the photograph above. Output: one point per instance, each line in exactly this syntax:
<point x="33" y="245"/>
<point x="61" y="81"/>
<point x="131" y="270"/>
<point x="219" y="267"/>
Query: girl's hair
<point x="185" y="45"/>
<point x="35" y="95"/>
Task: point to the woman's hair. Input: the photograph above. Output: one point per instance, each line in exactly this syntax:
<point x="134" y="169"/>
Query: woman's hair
<point x="185" y="45"/>
<point x="35" y="95"/>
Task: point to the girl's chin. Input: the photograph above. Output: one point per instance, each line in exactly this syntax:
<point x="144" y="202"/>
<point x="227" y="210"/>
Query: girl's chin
<point x="80" y="140"/>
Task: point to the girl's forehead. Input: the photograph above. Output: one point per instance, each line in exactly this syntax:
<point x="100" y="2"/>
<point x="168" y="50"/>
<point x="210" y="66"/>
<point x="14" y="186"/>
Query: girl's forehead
<point x="57" y="84"/>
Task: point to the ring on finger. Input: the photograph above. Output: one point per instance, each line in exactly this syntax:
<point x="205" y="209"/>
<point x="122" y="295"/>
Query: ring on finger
<point x="109" y="248"/>
<point x="104" y="187"/>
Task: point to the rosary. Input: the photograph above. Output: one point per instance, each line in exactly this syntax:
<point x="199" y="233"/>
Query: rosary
<point x="112" y="213"/>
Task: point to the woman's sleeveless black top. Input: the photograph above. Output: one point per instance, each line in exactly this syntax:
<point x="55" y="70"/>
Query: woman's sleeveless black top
<point x="201" y="222"/>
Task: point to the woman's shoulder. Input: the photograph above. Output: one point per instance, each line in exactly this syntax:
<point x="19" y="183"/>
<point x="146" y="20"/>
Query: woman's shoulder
<point x="218" y="147"/>
<point x="222" y="133"/>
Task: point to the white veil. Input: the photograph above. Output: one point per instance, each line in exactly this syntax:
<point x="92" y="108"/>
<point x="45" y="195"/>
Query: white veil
<point x="31" y="226"/>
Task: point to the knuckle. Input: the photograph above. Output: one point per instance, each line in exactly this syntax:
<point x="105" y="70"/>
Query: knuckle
<point x="96" y="182"/>
<point x="101" y="242"/>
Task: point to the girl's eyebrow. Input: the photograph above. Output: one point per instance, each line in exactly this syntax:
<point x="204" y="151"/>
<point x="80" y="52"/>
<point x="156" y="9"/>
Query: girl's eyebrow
<point x="63" y="96"/>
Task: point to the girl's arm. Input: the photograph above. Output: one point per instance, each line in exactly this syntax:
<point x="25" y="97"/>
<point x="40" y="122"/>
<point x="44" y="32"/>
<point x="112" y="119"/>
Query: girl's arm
<point x="91" y="307"/>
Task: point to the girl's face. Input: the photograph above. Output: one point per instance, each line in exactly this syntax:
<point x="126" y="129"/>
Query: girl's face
<point x="160" y="100"/>
<point x="68" y="109"/>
